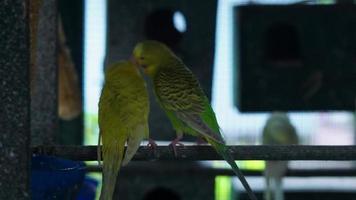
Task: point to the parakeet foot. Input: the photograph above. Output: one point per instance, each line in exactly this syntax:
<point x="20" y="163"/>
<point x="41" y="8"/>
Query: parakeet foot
<point x="152" y="144"/>
<point x="201" y="141"/>
<point x="176" y="143"/>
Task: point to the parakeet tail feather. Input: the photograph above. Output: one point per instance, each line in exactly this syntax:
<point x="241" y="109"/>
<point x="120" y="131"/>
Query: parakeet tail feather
<point x="112" y="154"/>
<point x="224" y="152"/>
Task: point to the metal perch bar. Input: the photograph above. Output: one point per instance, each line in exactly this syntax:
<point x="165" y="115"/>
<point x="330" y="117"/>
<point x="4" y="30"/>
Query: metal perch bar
<point x="134" y="170"/>
<point x="206" y="152"/>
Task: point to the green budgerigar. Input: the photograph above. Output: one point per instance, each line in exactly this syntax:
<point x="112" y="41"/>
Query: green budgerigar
<point x="277" y="131"/>
<point x="181" y="97"/>
<point x="123" y="118"/>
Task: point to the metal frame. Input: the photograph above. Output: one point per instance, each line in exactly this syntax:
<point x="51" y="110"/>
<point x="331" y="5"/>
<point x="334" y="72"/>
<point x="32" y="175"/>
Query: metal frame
<point x="206" y="152"/>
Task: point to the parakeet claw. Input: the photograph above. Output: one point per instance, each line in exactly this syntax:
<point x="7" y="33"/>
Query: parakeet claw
<point x="152" y="144"/>
<point x="201" y="141"/>
<point x="176" y="143"/>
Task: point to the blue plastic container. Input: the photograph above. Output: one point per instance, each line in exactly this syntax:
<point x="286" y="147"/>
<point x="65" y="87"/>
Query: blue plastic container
<point x="55" y="178"/>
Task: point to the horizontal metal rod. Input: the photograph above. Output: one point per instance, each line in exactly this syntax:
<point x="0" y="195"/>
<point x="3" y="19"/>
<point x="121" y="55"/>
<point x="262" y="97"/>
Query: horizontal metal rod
<point x="130" y="171"/>
<point x="206" y="152"/>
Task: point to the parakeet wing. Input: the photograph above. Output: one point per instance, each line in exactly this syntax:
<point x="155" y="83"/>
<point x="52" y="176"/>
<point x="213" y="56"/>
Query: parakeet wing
<point x="179" y="91"/>
<point x="134" y="140"/>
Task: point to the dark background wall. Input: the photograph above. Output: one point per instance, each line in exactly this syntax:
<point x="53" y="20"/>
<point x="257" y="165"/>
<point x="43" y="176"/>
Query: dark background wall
<point x="131" y="21"/>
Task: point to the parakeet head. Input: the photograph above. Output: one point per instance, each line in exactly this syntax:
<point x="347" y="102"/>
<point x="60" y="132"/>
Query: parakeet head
<point x="120" y="67"/>
<point x="280" y="116"/>
<point x="150" y="55"/>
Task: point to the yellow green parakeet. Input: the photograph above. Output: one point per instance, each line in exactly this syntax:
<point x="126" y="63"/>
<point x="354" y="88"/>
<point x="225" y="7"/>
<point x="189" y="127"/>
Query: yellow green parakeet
<point x="277" y="131"/>
<point x="179" y="94"/>
<point x="123" y="118"/>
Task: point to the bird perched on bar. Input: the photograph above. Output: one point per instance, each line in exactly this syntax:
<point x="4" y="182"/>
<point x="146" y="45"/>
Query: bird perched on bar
<point x="180" y="95"/>
<point x="123" y="118"/>
<point x="277" y="131"/>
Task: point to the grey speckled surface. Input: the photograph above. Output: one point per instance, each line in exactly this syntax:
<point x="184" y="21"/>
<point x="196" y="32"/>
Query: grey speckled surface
<point x="44" y="117"/>
<point x="14" y="101"/>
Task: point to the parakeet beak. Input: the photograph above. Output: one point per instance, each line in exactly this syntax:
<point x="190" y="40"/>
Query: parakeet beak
<point x="134" y="61"/>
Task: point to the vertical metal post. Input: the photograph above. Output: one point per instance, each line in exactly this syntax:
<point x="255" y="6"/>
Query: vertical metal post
<point x="44" y="117"/>
<point x="14" y="100"/>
